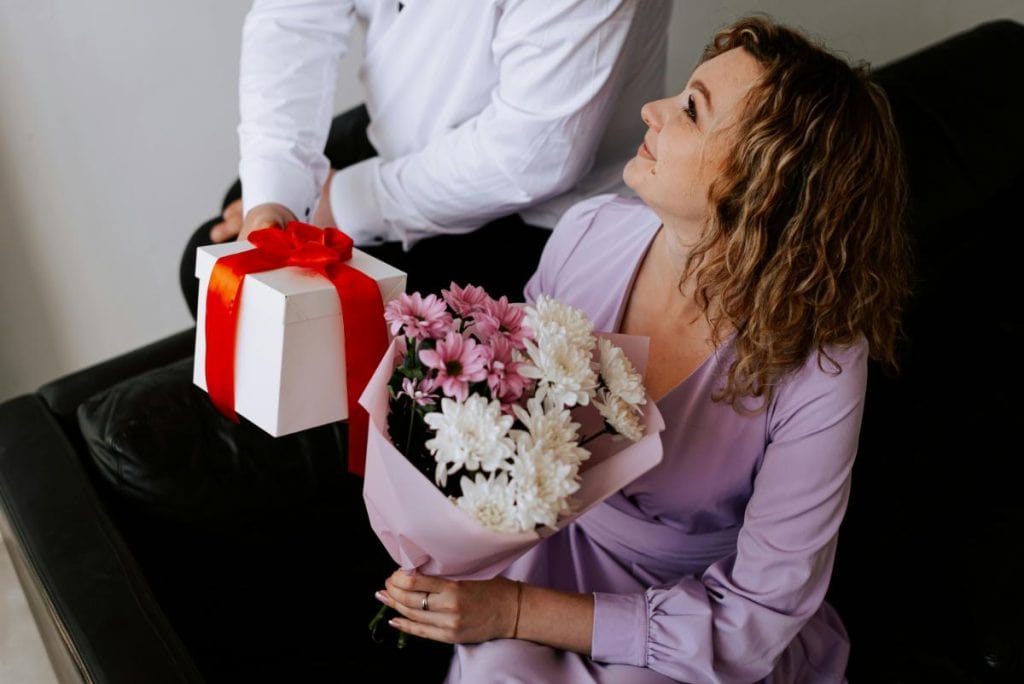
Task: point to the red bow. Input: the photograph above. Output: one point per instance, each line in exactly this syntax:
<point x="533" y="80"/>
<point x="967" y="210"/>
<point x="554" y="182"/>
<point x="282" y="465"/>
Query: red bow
<point x="324" y="251"/>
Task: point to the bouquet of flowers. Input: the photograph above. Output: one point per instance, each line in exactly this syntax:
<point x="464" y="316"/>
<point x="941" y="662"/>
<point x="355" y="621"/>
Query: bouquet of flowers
<point x="484" y="391"/>
<point x="494" y="425"/>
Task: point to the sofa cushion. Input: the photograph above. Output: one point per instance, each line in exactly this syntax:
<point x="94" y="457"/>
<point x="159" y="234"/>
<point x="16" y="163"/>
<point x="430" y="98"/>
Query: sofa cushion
<point x="160" y="445"/>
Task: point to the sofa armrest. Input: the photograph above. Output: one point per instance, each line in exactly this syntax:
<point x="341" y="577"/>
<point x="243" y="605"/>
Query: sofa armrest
<point x="98" y="599"/>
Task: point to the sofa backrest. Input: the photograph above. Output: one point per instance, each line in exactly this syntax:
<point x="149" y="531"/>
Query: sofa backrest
<point x="935" y="512"/>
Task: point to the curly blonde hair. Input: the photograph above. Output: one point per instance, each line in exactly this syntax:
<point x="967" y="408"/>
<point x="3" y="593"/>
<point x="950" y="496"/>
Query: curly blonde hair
<point x="805" y="247"/>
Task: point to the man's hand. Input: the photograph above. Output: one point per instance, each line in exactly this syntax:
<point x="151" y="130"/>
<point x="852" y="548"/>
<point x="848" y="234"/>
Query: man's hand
<point x="322" y="216"/>
<point x="262" y="216"/>
<point x="267" y="215"/>
<point x="231" y="225"/>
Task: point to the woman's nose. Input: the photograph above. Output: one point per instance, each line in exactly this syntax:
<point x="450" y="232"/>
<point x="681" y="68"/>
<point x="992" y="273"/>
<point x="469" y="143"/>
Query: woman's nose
<point x="649" y="115"/>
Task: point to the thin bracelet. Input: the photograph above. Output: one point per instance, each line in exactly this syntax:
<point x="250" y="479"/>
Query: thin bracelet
<point x="519" y="608"/>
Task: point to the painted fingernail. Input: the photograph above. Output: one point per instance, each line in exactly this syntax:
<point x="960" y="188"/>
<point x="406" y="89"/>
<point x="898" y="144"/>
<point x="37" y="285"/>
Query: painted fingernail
<point x="379" y="595"/>
<point x="393" y="622"/>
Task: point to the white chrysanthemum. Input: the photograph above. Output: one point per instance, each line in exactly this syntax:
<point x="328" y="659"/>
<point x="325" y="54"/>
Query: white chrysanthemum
<point x="563" y="372"/>
<point x="543" y="487"/>
<point x="548" y="316"/>
<point x="551" y="432"/>
<point x="472" y="434"/>
<point x="620" y="414"/>
<point x="490" y="501"/>
<point x="560" y="355"/>
<point x="619" y="375"/>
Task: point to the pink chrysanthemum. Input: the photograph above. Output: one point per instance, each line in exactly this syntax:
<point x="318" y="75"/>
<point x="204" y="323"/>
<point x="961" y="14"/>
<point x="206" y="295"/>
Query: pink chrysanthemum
<point x="503" y="377"/>
<point x="458" y="362"/>
<point x="465" y="301"/>
<point x="501" y="319"/>
<point x="423" y="392"/>
<point x="418" y="317"/>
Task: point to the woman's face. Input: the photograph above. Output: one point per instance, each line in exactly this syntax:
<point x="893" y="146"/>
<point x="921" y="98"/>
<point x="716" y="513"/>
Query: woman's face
<point x="689" y="137"/>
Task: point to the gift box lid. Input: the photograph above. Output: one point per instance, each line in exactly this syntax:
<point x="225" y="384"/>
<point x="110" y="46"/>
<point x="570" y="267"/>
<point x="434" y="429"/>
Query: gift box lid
<point x="292" y="294"/>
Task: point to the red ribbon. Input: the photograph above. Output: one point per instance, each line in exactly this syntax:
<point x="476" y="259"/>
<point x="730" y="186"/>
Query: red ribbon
<point x="324" y="251"/>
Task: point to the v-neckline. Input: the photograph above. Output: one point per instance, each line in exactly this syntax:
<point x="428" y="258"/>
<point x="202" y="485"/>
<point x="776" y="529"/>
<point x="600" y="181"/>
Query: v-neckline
<point x="620" y="312"/>
<point x="620" y="309"/>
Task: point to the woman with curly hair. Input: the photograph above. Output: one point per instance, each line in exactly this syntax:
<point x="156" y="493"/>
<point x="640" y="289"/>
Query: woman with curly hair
<point x="765" y="258"/>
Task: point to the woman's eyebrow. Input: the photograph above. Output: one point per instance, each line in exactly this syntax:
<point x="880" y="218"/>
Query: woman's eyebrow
<point x="699" y="86"/>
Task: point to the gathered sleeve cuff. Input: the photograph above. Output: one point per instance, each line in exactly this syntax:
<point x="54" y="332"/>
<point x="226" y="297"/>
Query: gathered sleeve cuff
<point x="659" y="629"/>
<point x="620" y="629"/>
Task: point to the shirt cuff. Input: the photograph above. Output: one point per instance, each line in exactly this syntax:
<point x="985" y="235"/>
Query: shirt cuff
<point x="264" y="182"/>
<point x="354" y="204"/>
<point x="620" y="629"/>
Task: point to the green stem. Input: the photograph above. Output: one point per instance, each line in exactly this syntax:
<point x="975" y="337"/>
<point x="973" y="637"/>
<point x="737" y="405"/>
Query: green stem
<point x="375" y="623"/>
<point x="403" y="639"/>
<point x="594" y="436"/>
<point x="412" y="407"/>
<point x="408" y="434"/>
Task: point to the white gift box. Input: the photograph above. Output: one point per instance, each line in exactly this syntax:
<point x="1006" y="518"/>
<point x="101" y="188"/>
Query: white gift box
<point x="290" y="351"/>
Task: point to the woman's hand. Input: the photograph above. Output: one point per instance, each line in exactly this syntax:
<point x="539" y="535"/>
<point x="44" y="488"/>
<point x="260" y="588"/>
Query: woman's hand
<point x="455" y="612"/>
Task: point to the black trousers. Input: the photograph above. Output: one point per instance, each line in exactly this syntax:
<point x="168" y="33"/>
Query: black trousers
<point x="500" y="256"/>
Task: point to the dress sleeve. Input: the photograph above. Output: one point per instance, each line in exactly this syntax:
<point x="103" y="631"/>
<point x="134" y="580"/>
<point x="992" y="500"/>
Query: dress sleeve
<point x="732" y="623"/>
<point x="559" y="72"/>
<point x="565" y="237"/>
<point x="287" y="78"/>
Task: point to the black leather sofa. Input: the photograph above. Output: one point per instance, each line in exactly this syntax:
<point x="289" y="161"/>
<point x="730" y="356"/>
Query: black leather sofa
<point x="149" y="562"/>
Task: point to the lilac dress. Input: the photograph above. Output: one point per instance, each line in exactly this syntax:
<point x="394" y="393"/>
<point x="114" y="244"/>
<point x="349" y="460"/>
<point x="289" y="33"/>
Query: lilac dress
<point x="713" y="566"/>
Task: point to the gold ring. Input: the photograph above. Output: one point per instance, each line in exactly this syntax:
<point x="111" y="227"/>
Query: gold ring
<point x="423" y="603"/>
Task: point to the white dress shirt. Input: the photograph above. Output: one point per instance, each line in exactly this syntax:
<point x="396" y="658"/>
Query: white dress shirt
<point x="478" y="108"/>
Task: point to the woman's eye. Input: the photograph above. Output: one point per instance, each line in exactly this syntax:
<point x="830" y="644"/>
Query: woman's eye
<point x="691" y="108"/>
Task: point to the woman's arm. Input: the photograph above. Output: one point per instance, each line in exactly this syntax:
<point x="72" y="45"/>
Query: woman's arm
<point x="471" y="611"/>
<point x="734" y="621"/>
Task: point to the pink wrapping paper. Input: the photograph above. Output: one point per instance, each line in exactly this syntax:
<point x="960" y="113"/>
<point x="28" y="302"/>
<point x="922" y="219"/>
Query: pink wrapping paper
<point x="422" y="529"/>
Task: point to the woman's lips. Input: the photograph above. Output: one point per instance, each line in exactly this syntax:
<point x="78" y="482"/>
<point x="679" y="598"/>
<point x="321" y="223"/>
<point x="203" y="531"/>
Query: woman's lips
<point x="645" y="152"/>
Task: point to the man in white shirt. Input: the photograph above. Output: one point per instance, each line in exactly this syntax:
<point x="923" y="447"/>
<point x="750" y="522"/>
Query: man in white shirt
<point x="484" y="121"/>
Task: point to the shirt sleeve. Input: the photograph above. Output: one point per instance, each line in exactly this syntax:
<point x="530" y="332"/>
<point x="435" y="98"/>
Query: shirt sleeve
<point x="559" y="71"/>
<point x="288" y="75"/>
<point x="732" y="623"/>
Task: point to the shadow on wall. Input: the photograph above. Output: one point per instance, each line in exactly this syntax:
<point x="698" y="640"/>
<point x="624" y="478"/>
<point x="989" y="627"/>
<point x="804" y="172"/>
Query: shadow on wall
<point x="27" y="330"/>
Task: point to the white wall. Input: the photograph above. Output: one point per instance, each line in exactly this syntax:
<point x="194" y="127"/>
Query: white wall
<point x="875" y="31"/>
<point x="117" y="138"/>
